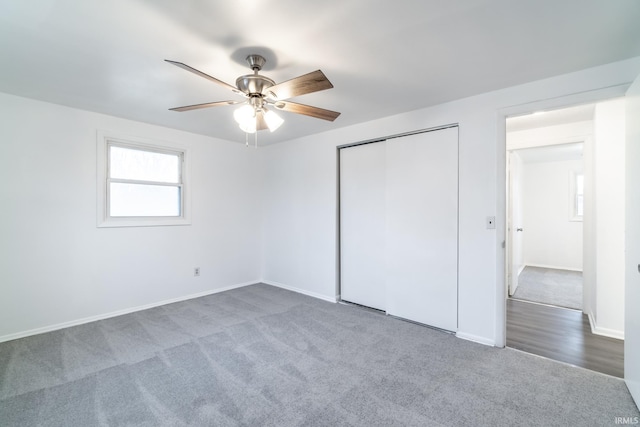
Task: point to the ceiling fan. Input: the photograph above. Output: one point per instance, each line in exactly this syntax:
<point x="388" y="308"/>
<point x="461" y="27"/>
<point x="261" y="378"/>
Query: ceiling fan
<point x="262" y="92"/>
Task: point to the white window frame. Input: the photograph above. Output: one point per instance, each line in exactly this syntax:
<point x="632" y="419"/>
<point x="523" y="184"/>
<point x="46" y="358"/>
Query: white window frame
<point x="107" y="139"/>
<point x="573" y="196"/>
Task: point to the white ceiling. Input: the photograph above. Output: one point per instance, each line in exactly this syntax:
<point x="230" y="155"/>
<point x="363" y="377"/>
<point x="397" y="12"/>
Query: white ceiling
<point x="383" y="58"/>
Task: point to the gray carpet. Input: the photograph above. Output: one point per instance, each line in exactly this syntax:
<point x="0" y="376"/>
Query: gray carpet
<point x="562" y="288"/>
<point x="263" y="356"/>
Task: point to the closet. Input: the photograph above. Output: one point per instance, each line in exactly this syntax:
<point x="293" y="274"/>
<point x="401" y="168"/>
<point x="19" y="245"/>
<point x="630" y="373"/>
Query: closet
<point x="399" y="226"/>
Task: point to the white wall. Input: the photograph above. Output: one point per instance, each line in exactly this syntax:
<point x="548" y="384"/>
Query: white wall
<point x="57" y="267"/>
<point x="551" y="240"/>
<point x="300" y="212"/>
<point x="609" y="145"/>
<point x="300" y="246"/>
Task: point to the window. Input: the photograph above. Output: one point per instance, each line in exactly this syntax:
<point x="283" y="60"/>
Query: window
<point x="576" y="196"/>
<point x="140" y="183"/>
<point x="579" y="197"/>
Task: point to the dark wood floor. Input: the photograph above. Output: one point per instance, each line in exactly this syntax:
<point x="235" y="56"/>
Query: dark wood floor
<point x="564" y="335"/>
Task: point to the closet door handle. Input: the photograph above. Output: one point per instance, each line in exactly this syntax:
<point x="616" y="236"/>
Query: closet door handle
<point x="518" y="229"/>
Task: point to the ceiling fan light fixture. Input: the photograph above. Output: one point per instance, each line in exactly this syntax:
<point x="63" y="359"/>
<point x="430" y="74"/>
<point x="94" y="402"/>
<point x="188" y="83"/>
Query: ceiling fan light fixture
<point x="272" y="119"/>
<point x="249" y="127"/>
<point x="245" y="116"/>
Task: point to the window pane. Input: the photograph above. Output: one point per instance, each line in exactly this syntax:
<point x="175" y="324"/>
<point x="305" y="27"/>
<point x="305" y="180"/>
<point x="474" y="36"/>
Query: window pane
<point x="579" y="205"/>
<point x="128" y="163"/>
<point x="579" y="184"/>
<point x="144" y="200"/>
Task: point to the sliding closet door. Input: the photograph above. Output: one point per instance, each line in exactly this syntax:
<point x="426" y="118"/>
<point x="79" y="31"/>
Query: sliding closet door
<point x="362" y="224"/>
<point x="421" y="236"/>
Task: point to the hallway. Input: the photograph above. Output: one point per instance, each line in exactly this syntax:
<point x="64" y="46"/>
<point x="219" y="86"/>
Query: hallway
<point x="564" y="335"/>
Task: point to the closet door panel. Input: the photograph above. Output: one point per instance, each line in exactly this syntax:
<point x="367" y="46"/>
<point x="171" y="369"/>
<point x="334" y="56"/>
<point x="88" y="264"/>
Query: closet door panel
<point x="421" y="233"/>
<point x="362" y="225"/>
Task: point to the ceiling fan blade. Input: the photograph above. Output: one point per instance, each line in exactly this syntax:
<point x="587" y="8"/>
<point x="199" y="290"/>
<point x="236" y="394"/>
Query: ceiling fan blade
<point x="308" y="83"/>
<point x="307" y="110"/>
<point x="206" y="76"/>
<point x="261" y="124"/>
<point x="207" y="105"/>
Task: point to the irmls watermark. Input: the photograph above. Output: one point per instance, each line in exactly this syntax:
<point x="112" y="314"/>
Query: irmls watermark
<point x="626" y="420"/>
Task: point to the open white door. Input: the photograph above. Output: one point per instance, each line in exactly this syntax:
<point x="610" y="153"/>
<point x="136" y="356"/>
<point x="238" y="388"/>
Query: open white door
<point x="632" y="243"/>
<point x="511" y="288"/>
<point x="514" y="220"/>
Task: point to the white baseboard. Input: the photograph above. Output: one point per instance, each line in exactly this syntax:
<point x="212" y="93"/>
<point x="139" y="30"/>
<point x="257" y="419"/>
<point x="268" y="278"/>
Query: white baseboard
<point x="464" y="336"/>
<point x="90" y="319"/>
<point x="555" y="267"/>
<point x="611" y="333"/>
<point x="300" y="291"/>
<point x="475" y="338"/>
<point x="522" y="267"/>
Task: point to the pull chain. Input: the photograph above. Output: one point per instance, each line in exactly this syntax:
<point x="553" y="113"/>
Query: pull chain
<point x="256" y="139"/>
<point x="246" y="139"/>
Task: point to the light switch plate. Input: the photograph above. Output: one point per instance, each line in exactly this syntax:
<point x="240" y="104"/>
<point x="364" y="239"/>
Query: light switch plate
<point x="491" y="222"/>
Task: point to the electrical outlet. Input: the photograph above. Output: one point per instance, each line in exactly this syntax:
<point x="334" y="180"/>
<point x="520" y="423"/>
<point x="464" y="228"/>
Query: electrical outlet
<point x="196" y="271"/>
<point x="491" y="222"/>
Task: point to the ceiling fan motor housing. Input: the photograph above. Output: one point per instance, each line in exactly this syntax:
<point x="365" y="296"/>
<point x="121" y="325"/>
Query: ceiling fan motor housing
<point x="254" y="84"/>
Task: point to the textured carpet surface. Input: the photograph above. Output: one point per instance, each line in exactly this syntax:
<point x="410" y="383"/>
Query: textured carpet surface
<point x="263" y="356"/>
<point x="550" y="286"/>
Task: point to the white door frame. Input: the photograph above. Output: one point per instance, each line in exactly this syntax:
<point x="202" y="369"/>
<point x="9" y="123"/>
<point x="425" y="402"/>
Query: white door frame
<point x="632" y="251"/>
<point x="501" y="169"/>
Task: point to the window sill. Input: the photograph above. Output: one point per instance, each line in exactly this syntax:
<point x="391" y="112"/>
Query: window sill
<point x="142" y="222"/>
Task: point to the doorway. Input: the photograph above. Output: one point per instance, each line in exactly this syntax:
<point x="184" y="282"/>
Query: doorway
<point x="546" y="191"/>
<point x="565" y="228"/>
